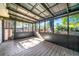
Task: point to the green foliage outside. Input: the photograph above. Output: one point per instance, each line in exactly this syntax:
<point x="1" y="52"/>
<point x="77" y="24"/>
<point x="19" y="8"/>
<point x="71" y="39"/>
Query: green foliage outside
<point x="73" y="23"/>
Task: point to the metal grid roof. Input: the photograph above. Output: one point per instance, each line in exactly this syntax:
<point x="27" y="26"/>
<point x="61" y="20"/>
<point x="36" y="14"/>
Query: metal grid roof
<point x="38" y="11"/>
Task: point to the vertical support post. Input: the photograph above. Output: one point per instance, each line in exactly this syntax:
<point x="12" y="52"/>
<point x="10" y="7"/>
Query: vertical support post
<point x="68" y="43"/>
<point x="53" y="25"/>
<point x="68" y="24"/>
<point x="22" y="27"/>
<point x="45" y="26"/>
<point x="8" y="29"/>
<point x="35" y="26"/>
<point x="39" y="26"/>
<point x="32" y="27"/>
<point x="68" y="19"/>
<point x="14" y="29"/>
<point x="28" y="27"/>
<point x="3" y="30"/>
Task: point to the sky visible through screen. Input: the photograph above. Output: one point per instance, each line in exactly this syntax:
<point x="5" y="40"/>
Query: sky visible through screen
<point x="58" y="21"/>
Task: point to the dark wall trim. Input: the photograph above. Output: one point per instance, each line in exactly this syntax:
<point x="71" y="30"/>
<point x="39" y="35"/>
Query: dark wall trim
<point x="3" y="31"/>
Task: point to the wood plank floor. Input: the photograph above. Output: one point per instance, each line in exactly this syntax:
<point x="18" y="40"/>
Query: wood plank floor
<point x="33" y="46"/>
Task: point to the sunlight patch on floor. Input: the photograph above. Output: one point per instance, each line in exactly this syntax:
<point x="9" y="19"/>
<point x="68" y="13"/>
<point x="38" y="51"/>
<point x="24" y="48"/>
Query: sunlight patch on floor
<point x="30" y="42"/>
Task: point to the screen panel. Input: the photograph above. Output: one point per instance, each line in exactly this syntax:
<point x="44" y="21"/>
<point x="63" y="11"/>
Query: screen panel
<point x="60" y="25"/>
<point x="74" y="24"/>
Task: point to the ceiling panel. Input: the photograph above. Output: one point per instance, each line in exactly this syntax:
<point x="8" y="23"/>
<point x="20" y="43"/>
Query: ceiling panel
<point x="27" y="5"/>
<point x="11" y="5"/>
<point x="30" y="14"/>
<point x="62" y="6"/>
<point x="37" y="17"/>
<point x="50" y="4"/>
<point x="36" y="11"/>
<point x="72" y="4"/>
<point x="40" y="7"/>
<point x="60" y="12"/>
<point x="59" y="7"/>
<point x="52" y="11"/>
<point x="32" y="4"/>
<point x="46" y="13"/>
<point x="55" y="9"/>
<point x="22" y="10"/>
<point x="42" y="15"/>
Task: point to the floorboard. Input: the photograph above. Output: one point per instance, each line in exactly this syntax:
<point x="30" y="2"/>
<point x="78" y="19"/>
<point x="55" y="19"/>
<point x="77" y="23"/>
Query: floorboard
<point x="34" y="46"/>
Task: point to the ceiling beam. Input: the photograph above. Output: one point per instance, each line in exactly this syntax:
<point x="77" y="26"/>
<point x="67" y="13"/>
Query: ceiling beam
<point x="21" y="17"/>
<point x="28" y="10"/>
<point x="12" y="17"/>
<point x="17" y="12"/>
<point x="47" y="9"/>
<point x="20" y="13"/>
<point x="14" y="13"/>
<point x="18" y="18"/>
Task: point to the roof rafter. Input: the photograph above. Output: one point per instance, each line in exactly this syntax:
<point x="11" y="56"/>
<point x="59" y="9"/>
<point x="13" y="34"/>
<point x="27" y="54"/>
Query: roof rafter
<point x="21" y="17"/>
<point x="20" y="13"/>
<point x="12" y="17"/>
<point x="47" y="9"/>
<point x="28" y="10"/>
<point x="15" y="11"/>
